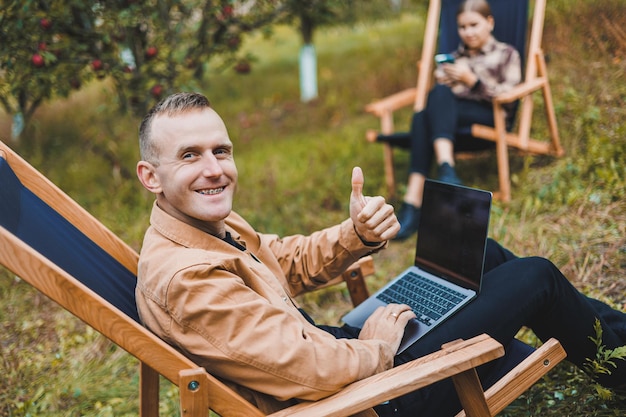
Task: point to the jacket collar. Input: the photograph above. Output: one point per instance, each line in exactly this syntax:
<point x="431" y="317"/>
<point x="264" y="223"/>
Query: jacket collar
<point x="189" y="236"/>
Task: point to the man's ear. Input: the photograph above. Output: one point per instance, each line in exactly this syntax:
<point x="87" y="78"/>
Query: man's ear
<point x="148" y="178"/>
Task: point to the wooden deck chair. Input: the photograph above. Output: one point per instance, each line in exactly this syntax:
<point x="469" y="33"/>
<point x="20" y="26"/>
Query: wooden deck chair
<point x="52" y="243"/>
<point x="441" y="36"/>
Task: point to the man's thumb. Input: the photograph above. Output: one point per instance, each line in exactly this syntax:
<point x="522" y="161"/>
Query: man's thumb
<point x="357" y="184"/>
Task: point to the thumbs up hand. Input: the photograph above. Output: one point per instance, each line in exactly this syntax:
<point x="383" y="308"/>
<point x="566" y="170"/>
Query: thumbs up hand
<point x="374" y="219"/>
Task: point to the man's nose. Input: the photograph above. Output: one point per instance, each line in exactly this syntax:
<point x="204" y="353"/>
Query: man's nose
<point x="211" y="166"/>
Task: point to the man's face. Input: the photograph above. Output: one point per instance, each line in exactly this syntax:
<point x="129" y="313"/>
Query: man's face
<point x="196" y="176"/>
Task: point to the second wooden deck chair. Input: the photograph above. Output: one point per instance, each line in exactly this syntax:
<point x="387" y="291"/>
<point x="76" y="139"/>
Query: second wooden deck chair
<point x="441" y="36"/>
<point x="52" y="243"/>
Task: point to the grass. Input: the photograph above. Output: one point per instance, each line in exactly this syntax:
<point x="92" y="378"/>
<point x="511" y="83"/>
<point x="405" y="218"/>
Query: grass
<point x="295" y="161"/>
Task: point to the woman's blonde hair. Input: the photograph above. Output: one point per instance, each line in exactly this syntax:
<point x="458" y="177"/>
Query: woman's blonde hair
<point x="478" y="6"/>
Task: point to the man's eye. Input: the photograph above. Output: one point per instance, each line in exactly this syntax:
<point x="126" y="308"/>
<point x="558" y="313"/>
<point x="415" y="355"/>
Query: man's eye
<point x="188" y="155"/>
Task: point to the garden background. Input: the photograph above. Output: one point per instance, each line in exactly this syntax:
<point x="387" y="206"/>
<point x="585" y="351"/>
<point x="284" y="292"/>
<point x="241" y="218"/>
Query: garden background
<point x="295" y="161"/>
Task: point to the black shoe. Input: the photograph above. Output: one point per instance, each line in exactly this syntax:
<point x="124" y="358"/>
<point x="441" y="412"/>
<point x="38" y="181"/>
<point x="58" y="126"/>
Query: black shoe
<point x="448" y="174"/>
<point x="409" y="218"/>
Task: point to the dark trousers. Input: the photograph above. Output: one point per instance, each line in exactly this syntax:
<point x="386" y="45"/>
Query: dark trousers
<point x="446" y="116"/>
<point x="516" y="292"/>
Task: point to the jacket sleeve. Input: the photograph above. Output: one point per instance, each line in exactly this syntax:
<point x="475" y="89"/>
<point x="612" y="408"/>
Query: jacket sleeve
<point x="309" y="261"/>
<point x="258" y="339"/>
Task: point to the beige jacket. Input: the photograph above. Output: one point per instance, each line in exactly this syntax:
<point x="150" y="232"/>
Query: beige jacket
<point x="232" y="312"/>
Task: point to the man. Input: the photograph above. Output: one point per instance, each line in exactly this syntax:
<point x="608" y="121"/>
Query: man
<point x="222" y="293"/>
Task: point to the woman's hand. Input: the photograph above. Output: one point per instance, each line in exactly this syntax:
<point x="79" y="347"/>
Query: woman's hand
<point x="441" y="77"/>
<point x="459" y="72"/>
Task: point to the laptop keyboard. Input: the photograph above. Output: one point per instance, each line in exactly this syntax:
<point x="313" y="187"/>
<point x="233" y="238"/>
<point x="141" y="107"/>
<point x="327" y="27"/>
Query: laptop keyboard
<point x="429" y="300"/>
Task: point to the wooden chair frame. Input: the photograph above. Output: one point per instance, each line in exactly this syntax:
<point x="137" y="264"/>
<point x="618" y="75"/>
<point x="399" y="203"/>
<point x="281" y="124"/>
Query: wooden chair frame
<point x="535" y="79"/>
<point x="199" y="390"/>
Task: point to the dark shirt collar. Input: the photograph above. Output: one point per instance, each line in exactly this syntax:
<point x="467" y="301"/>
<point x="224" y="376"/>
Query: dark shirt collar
<point x="229" y="239"/>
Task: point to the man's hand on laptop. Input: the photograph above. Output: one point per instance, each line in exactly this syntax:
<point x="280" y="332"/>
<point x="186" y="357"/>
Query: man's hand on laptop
<point x="374" y="220"/>
<point x="387" y="324"/>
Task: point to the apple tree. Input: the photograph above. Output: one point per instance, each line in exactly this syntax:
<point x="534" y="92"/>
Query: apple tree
<point x="38" y="56"/>
<point x="147" y="48"/>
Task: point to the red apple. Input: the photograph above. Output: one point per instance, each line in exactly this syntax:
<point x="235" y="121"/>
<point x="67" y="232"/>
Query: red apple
<point x="45" y="23"/>
<point x="151" y="52"/>
<point x="96" y="64"/>
<point x="42" y="46"/>
<point x="156" y="90"/>
<point x="225" y="14"/>
<point x="227" y="11"/>
<point x="243" y="67"/>
<point x="37" y="60"/>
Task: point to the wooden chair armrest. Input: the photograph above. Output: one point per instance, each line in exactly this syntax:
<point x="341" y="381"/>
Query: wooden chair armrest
<point x="454" y="358"/>
<point x="392" y="103"/>
<point x="520" y="91"/>
<point x="354" y="277"/>
<point x="523" y="376"/>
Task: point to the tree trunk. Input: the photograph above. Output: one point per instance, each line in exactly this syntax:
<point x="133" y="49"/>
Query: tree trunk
<point x="308" y="73"/>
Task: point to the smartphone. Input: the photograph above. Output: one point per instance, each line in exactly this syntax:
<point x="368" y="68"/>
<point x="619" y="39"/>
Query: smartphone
<point x="444" y="59"/>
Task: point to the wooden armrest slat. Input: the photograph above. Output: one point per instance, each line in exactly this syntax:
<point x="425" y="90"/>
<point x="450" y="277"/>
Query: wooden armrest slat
<point x="369" y="392"/>
<point x="393" y="102"/>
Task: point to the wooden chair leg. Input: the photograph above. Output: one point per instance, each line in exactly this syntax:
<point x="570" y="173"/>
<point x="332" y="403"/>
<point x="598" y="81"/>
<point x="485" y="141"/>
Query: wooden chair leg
<point x="387" y="128"/>
<point x="148" y="391"/>
<point x="557" y="149"/>
<point x="471" y="394"/>
<point x="502" y="154"/>
<point x="194" y="398"/>
<point x="390" y="177"/>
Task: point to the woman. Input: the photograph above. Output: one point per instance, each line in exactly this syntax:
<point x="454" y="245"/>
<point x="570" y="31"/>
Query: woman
<point x="483" y="68"/>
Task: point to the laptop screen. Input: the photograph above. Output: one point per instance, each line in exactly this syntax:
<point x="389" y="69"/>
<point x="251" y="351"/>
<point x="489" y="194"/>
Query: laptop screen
<point x="452" y="233"/>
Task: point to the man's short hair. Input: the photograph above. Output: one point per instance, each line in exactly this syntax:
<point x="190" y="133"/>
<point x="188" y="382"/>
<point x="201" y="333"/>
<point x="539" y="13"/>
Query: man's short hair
<point x="171" y="106"/>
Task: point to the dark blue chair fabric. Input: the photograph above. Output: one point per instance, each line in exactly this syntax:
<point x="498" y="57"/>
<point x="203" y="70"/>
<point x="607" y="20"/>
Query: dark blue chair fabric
<point x="37" y="224"/>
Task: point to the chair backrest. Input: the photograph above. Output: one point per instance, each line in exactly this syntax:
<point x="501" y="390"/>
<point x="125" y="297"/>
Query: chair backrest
<point x="51" y="242"/>
<point x="511" y="24"/>
<point x="34" y="222"/>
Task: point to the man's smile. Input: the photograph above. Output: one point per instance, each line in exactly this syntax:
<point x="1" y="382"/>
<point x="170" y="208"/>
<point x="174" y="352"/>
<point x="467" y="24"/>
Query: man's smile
<point x="210" y="191"/>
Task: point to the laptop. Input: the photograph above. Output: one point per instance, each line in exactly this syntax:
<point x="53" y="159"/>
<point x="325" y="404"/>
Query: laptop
<point x="449" y="260"/>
